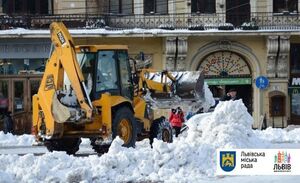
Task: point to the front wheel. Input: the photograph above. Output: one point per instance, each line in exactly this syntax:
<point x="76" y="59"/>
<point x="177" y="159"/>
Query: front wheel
<point x="161" y="130"/>
<point x="124" y="126"/>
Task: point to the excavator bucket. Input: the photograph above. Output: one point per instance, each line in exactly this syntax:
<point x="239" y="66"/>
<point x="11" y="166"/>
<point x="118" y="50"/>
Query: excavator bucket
<point x="185" y="90"/>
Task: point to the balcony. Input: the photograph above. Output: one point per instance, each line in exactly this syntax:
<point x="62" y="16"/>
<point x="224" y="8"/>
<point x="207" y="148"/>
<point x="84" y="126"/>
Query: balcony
<point x="254" y="21"/>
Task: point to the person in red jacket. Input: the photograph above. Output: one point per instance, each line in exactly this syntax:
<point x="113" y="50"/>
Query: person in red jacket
<point x="176" y="119"/>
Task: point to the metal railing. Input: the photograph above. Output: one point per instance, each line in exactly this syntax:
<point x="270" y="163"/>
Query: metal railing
<point x="262" y="20"/>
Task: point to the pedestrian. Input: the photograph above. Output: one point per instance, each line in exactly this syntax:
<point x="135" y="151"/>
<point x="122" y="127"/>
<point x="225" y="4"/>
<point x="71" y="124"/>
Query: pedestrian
<point x="231" y="95"/>
<point x="154" y="129"/>
<point x="7" y="121"/>
<point x="176" y="119"/>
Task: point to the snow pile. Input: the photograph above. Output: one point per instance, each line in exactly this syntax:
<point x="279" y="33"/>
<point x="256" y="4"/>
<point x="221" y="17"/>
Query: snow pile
<point x="276" y="135"/>
<point x="188" y="159"/>
<point x="209" y="99"/>
<point x="15" y="140"/>
<point x="229" y="126"/>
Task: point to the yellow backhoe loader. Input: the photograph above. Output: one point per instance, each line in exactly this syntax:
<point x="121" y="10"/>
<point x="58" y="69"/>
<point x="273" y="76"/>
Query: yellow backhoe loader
<point x="92" y="91"/>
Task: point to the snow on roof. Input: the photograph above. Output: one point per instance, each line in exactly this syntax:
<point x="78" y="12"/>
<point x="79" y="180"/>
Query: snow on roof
<point x="19" y="32"/>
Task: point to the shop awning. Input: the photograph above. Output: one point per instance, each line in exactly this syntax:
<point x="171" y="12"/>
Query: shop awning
<point x="229" y="81"/>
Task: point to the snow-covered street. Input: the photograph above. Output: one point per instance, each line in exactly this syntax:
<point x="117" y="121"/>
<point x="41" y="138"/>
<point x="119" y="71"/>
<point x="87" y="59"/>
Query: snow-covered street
<point x="190" y="158"/>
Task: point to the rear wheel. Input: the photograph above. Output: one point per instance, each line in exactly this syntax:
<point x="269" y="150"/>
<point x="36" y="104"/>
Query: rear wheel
<point x="124" y="126"/>
<point x="69" y="145"/>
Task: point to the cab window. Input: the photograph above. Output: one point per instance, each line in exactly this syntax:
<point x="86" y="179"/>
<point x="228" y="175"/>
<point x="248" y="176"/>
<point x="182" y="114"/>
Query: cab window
<point x="106" y="71"/>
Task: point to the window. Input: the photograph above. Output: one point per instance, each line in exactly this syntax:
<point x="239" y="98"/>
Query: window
<point x="280" y="6"/>
<point x="121" y="6"/>
<point x="155" y="6"/>
<point x="106" y="71"/>
<point x="16" y="66"/>
<point x="18" y="96"/>
<point x="125" y="74"/>
<point x="277" y="105"/>
<point x="295" y="104"/>
<point x="86" y="63"/>
<point x="203" y="6"/>
<point x="295" y="59"/>
<point x="26" y="6"/>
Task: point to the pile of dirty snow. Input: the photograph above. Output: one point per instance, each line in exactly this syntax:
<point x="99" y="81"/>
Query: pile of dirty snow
<point x="189" y="158"/>
<point x="16" y="140"/>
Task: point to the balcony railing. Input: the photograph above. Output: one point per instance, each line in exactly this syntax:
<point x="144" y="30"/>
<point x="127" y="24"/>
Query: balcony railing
<point x="262" y="21"/>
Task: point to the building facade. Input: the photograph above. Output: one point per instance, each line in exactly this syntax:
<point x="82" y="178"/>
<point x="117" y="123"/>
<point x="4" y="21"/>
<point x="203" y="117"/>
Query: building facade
<point x="233" y="42"/>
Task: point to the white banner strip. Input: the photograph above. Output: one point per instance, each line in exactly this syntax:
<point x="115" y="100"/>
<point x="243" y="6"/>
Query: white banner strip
<point x="258" y="162"/>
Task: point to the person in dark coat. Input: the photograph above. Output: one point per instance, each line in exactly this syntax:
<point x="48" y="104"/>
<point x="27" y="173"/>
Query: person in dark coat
<point x="231" y="95"/>
<point x="5" y="115"/>
<point x="155" y="128"/>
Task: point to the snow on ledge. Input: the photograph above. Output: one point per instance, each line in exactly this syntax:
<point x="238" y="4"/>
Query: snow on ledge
<point x="25" y="32"/>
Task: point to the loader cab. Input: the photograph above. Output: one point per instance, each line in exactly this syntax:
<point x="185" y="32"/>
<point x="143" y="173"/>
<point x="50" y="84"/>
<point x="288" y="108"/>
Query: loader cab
<point x="109" y="70"/>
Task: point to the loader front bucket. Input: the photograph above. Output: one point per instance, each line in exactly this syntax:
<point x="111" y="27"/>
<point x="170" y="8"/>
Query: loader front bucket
<point x="186" y="91"/>
<point x="189" y="84"/>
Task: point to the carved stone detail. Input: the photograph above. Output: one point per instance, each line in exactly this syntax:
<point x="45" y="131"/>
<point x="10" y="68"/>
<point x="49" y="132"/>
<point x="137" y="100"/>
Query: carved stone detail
<point x="182" y="48"/>
<point x="272" y="46"/>
<point x="224" y="44"/>
<point x="282" y="65"/>
<point x="174" y="45"/>
<point x="170" y="53"/>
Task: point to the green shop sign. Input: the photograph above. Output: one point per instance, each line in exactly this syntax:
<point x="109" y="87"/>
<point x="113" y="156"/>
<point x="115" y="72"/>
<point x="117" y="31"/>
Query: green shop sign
<point x="294" y="90"/>
<point x="228" y="81"/>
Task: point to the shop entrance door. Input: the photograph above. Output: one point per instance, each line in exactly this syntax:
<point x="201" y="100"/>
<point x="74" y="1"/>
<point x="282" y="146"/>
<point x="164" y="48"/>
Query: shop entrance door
<point x="244" y="92"/>
<point x="19" y="89"/>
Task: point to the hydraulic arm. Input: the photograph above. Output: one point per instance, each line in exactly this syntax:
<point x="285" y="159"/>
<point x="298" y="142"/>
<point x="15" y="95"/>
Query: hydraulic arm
<point x="47" y="106"/>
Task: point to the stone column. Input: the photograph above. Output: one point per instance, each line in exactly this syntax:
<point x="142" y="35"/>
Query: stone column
<point x="138" y="7"/>
<point x="283" y="62"/>
<point x="176" y="51"/>
<point x="1" y="8"/>
<point x="170" y="53"/>
<point x="182" y="48"/>
<point x="272" y="46"/>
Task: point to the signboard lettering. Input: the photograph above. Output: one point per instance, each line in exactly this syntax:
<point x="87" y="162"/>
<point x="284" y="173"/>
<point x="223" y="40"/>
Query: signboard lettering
<point x="295" y="81"/>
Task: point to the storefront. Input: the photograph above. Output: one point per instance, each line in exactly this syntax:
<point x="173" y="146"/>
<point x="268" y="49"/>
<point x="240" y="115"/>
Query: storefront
<point x="294" y="84"/>
<point x="22" y="62"/>
<point x="224" y="70"/>
<point x="23" y="55"/>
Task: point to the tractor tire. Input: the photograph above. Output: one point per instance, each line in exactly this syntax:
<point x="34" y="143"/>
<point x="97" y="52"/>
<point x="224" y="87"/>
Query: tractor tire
<point x="161" y="130"/>
<point x="124" y="126"/>
<point x="69" y="145"/>
<point x="166" y="133"/>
